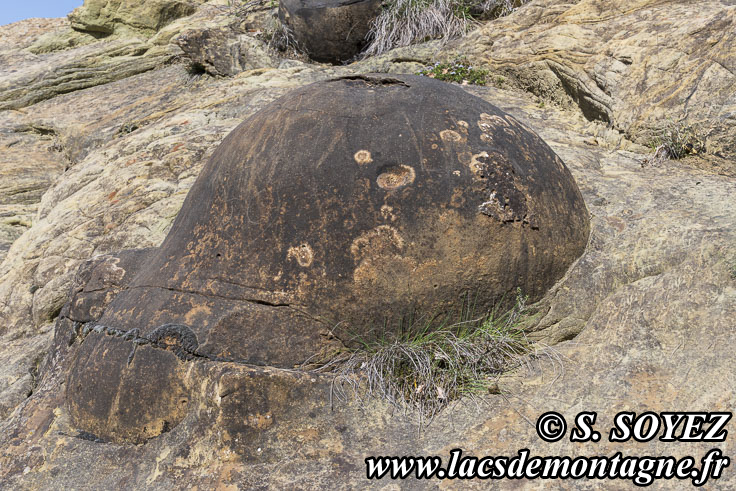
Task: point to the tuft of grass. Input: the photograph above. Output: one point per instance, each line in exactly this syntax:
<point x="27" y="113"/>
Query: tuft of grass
<point x="459" y="71"/>
<point x="406" y="22"/>
<point x="280" y="38"/>
<point x="672" y="141"/>
<point x="276" y="35"/>
<point x="428" y="365"/>
<point x="128" y="128"/>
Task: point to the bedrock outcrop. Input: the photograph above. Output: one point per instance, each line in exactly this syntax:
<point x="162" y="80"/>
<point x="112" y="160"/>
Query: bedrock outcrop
<point x="643" y="321"/>
<point x="638" y="65"/>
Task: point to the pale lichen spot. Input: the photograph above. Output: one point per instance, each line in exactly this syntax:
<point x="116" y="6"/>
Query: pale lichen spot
<point x="492" y="120"/>
<point x="396" y="176"/>
<point x="198" y="312"/>
<point x="476" y="166"/>
<point x="388" y="213"/>
<point x="463" y="124"/>
<point x="363" y="157"/>
<point x="380" y="241"/>
<point x="450" y="136"/>
<point x="456" y="173"/>
<point x="464" y="157"/>
<point x="303" y="255"/>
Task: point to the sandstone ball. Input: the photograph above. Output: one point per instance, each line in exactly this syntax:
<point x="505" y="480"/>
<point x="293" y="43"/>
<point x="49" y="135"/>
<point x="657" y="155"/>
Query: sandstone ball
<point x="341" y="208"/>
<point x="331" y="31"/>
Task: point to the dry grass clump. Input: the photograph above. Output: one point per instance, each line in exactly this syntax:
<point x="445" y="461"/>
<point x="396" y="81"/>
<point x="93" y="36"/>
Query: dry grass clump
<point x="405" y="22"/>
<point x="276" y="35"/>
<point x="430" y="364"/>
<point x="672" y="141"/>
<point x="280" y="38"/>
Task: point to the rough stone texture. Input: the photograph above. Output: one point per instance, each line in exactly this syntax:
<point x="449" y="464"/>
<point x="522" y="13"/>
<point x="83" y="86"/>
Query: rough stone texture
<point x="633" y="65"/>
<point x="106" y="16"/>
<point x="222" y="51"/>
<point x="63" y="60"/>
<point x="75" y="69"/>
<point x="645" y="317"/>
<point x="30" y="161"/>
<point x="21" y="35"/>
<point x="331" y="31"/>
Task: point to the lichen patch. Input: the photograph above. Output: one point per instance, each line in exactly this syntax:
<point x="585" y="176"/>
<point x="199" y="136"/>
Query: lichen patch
<point x="450" y="136"/>
<point x="478" y="167"/>
<point x="396" y="176"/>
<point x="363" y="157"/>
<point x="464" y="157"/>
<point x="303" y="255"/>
<point x="492" y="119"/>
<point x="383" y="240"/>
<point x="388" y="213"/>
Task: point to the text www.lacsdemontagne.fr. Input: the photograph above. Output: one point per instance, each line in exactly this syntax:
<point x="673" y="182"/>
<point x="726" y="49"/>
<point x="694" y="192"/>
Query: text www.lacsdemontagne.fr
<point x="642" y="471"/>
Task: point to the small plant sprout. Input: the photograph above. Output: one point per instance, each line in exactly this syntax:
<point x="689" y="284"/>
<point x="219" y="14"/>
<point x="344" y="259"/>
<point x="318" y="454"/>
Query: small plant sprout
<point x="459" y="71"/>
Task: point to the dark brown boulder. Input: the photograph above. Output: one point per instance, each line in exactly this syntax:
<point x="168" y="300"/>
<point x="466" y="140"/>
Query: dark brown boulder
<point x="338" y="208"/>
<point x="331" y="31"/>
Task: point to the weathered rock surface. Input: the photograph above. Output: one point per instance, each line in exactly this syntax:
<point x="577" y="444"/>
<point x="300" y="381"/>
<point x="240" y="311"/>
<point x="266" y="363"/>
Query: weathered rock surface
<point x="223" y="51"/>
<point x="331" y="31"/>
<point x="634" y="66"/>
<point x="107" y="16"/>
<point x="645" y="317"/>
<point x="30" y="161"/>
<point x="75" y="69"/>
<point x="63" y="60"/>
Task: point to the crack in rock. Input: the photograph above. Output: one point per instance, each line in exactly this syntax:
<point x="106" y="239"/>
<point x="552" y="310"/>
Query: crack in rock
<point x="177" y="338"/>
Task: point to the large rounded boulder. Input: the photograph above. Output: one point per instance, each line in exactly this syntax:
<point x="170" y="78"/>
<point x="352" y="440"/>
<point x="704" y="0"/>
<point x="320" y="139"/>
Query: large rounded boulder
<point x="331" y="31"/>
<point x="338" y="209"/>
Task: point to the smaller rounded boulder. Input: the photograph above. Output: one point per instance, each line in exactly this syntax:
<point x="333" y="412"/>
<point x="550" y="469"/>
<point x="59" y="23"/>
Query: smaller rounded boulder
<point x="330" y="31"/>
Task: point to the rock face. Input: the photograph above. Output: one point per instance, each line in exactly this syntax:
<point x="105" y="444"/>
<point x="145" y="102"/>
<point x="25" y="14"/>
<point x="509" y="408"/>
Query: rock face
<point x="335" y="210"/>
<point x="104" y="16"/>
<point x="643" y="321"/>
<point x="331" y="31"/>
<point x="220" y="51"/>
<point x="635" y="70"/>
